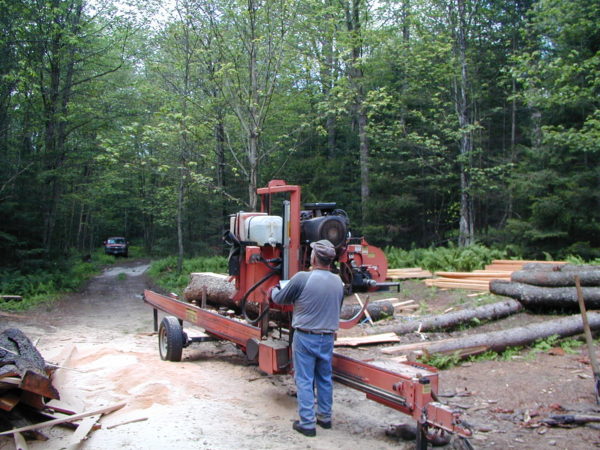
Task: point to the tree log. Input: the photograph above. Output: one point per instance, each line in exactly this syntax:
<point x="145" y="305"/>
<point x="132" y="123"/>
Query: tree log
<point x="219" y="290"/>
<point x="380" y="309"/>
<point x="546" y="298"/>
<point x="563" y="278"/>
<point x="453" y="319"/>
<point x="545" y="267"/>
<point x="500" y="340"/>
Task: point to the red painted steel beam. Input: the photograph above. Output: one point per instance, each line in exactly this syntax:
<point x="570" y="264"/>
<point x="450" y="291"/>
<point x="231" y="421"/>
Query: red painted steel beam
<point x="213" y="323"/>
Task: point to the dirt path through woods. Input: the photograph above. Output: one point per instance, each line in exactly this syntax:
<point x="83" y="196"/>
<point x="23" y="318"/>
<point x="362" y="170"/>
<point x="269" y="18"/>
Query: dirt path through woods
<point x="214" y="400"/>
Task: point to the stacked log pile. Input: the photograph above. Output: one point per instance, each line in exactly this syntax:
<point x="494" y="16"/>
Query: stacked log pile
<point x="479" y="280"/>
<point x="551" y="286"/>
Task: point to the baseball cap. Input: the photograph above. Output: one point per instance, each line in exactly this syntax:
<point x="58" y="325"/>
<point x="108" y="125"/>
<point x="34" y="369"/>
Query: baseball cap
<point x="323" y="249"/>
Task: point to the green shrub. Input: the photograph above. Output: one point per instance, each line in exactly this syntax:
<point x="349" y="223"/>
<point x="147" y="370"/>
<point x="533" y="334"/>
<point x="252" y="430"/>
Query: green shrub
<point x="164" y="271"/>
<point x="451" y="258"/>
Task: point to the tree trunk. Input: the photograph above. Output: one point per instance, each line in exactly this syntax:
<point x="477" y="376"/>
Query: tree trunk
<point x="453" y="319"/>
<point x="378" y="310"/>
<point x="560" y="267"/>
<point x="466" y="224"/>
<point x="500" y="340"/>
<point x="556" y="279"/>
<point x="546" y="298"/>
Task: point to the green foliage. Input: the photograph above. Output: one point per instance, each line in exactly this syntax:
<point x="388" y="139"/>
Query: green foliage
<point x="164" y="271"/>
<point x="44" y="285"/>
<point x="442" y="361"/>
<point x="451" y="258"/>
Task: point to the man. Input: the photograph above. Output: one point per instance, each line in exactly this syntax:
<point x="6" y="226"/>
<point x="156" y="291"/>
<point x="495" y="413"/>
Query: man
<point x="317" y="297"/>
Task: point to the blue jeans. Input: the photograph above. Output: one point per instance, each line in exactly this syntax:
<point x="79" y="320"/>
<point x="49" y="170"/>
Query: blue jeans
<point x="312" y="355"/>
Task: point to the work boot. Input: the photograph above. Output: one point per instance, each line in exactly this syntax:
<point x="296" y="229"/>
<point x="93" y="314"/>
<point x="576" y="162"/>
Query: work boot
<point x="324" y="424"/>
<point x="310" y="432"/>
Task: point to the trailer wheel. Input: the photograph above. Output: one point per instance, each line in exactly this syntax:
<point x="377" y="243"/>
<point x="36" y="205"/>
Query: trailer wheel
<point x="170" y="339"/>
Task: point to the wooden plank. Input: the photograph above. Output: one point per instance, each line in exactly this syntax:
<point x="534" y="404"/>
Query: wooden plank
<point x="49" y="423"/>
<point x="127" y="421"/>
<point x="366" y="340"/>
<point x="366" y="311"/>
<point x="82" y="431"/>
<point x="20" y="442"/>
<point x="9" y="400"/>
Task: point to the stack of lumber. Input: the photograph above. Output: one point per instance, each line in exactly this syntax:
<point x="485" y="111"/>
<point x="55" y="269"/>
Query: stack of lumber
<point x="408" y="273"/>
<point x="479" y="280"/>
<point x="512" y="265"/>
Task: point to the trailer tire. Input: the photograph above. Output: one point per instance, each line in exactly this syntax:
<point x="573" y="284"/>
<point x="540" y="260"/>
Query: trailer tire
<point x="170" y="339"/>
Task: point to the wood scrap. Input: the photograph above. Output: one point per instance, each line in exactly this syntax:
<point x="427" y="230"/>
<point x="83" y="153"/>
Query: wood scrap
<point x="20" y="442"/>
<point x="444" y="321"/>
<point x="50" y="423"/>
<point x="82" y="431"/>
<point x="367" y="314"/>
<point x="500" y="340"/>
<point x="128" y="421"/>
<point x="366" y="340"/>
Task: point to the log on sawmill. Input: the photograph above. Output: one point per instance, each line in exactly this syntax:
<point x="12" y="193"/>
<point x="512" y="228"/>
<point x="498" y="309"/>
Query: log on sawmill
<point x="219" y="290"/>
<point x="500" y="340"/>
<point x="445" y="321"/>
<point x="381" y="309"/>
<point x="545" y="298"/>
<point x="557" y="278"/>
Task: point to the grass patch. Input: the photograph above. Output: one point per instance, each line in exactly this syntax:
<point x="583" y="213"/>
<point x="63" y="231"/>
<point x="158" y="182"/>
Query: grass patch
<point x="46" y="285"/>
<point x="164" y="271"/>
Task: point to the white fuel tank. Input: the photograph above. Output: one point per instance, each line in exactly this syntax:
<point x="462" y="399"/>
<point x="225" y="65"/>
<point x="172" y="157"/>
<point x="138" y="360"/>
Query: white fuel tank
<point x="264" y="230"/>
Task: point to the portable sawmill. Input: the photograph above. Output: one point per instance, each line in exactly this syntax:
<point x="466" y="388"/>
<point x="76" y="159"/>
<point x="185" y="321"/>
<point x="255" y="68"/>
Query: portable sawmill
<point x="268" y="247"/>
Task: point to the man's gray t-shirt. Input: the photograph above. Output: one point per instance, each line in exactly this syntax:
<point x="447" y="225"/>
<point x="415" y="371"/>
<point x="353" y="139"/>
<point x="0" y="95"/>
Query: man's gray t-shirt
<point x="317" y="298"/>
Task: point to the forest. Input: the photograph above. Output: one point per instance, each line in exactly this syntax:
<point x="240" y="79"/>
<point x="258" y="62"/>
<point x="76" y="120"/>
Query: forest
<point x="431" y="122"/>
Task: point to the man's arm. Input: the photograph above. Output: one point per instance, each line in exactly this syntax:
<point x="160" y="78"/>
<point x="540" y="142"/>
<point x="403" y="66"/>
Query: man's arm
<point x="291" y="291"/>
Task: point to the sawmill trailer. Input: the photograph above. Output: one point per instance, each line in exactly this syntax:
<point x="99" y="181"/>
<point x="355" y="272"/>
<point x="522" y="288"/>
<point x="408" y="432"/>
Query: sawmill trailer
<point x="266" y="249"/>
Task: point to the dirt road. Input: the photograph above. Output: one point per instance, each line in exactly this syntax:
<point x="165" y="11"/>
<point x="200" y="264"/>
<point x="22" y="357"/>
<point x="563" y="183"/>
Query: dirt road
<point x="215" y="400"/>
<point x="211" y="400"/>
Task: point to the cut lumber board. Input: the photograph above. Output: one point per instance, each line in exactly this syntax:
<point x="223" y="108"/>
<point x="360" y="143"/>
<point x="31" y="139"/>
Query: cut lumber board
<point x="49" y="423"/>
<point x="366" y="340"/>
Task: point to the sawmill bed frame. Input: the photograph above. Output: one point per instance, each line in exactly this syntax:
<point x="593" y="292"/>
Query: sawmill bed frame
<point x="408" y="387"/>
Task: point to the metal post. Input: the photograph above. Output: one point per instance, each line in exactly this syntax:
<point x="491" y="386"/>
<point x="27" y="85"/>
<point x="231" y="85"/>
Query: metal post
<point x="155" y="314"/>
<point x="421" y="437"/>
